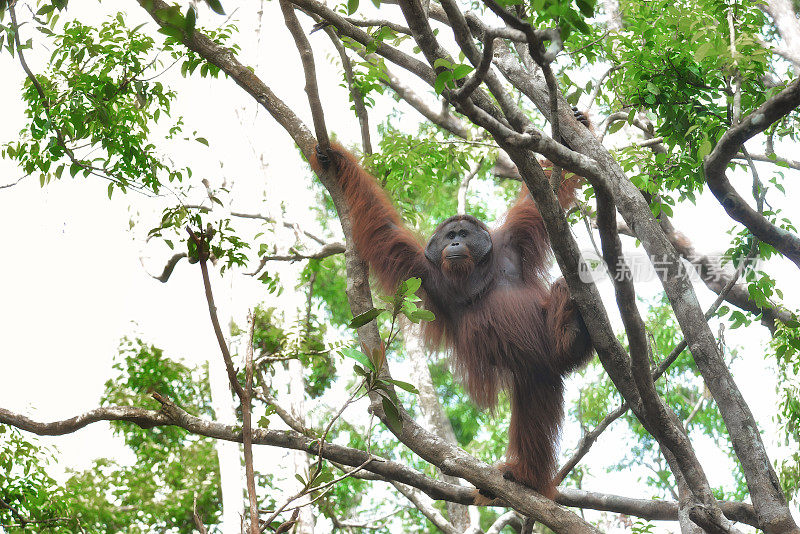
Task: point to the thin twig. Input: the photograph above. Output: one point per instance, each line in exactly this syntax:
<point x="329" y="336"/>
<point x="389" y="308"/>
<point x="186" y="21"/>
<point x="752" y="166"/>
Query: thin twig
<point x="247" y="429"/>
<point x="198" y="521"/>
<point x="480" y="73"/>
<point x="774" y="159"/>
<point x="330" y="249"/>
<point x="202" y="245"/>
<point x="12" y="184"/>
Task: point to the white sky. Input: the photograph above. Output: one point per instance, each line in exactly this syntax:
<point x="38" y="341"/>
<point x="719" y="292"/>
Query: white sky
<point x="71" y="282"/>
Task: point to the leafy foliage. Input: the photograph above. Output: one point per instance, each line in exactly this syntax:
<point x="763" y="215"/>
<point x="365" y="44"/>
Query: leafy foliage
<point x="29" y="497"/>
<point x="93" y="110"/>
<point x="304" y="341"/>
<point x="173" y="472"/>
<point x="422" y="175"/>
<point x="786" y="346"/>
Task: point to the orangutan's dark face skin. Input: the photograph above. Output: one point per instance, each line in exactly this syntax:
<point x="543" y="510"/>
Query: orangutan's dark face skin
<point x="458" y="245"/>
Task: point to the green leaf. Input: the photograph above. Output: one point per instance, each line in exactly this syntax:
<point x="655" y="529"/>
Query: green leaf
<point x="411" y="285"/>
<point x="393" y="420"/>
<point x="442" y="79"/>
<point x="191" y="20"/>
<point x="202" y="140"/>
<point x="704" y="150"/>
<point x="171" y="31"/>
<point x="422" y="315"/>
<point x="364" y="318"/>
<point x="443" y="63"/>
<point x="216" y="6"/>
<point x="586" y="7"/>
<point x="358" y="356"/>
<point x="461" y="71"/>
<point x="404" y="386"/>
<point x="352" y="6"/>
<point x="702" y="51"/>
<point x="616" y="127"/>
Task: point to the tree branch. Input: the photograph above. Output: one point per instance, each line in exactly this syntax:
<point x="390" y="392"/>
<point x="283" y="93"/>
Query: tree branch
<point x="247" y="429"/>
<point x="785" y="18"/>
<point x="427" y="509"/>
<point x="731" y="142"/>
<point x="330" y="249"/>
<point x="172" y="415"/>
<point x="201" y="243"/>
<point x="307" y="59"/>
<point x="659" y="420"/>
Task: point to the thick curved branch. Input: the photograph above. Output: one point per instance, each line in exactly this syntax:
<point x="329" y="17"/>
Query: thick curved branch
<point x="728" y="146"/>
<point x="139" y="416"/>
<point x="645" y="508"/>
<point x="480" y="72"/>
<point x="385" y="470"/>
<point x="172" y="415"/>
